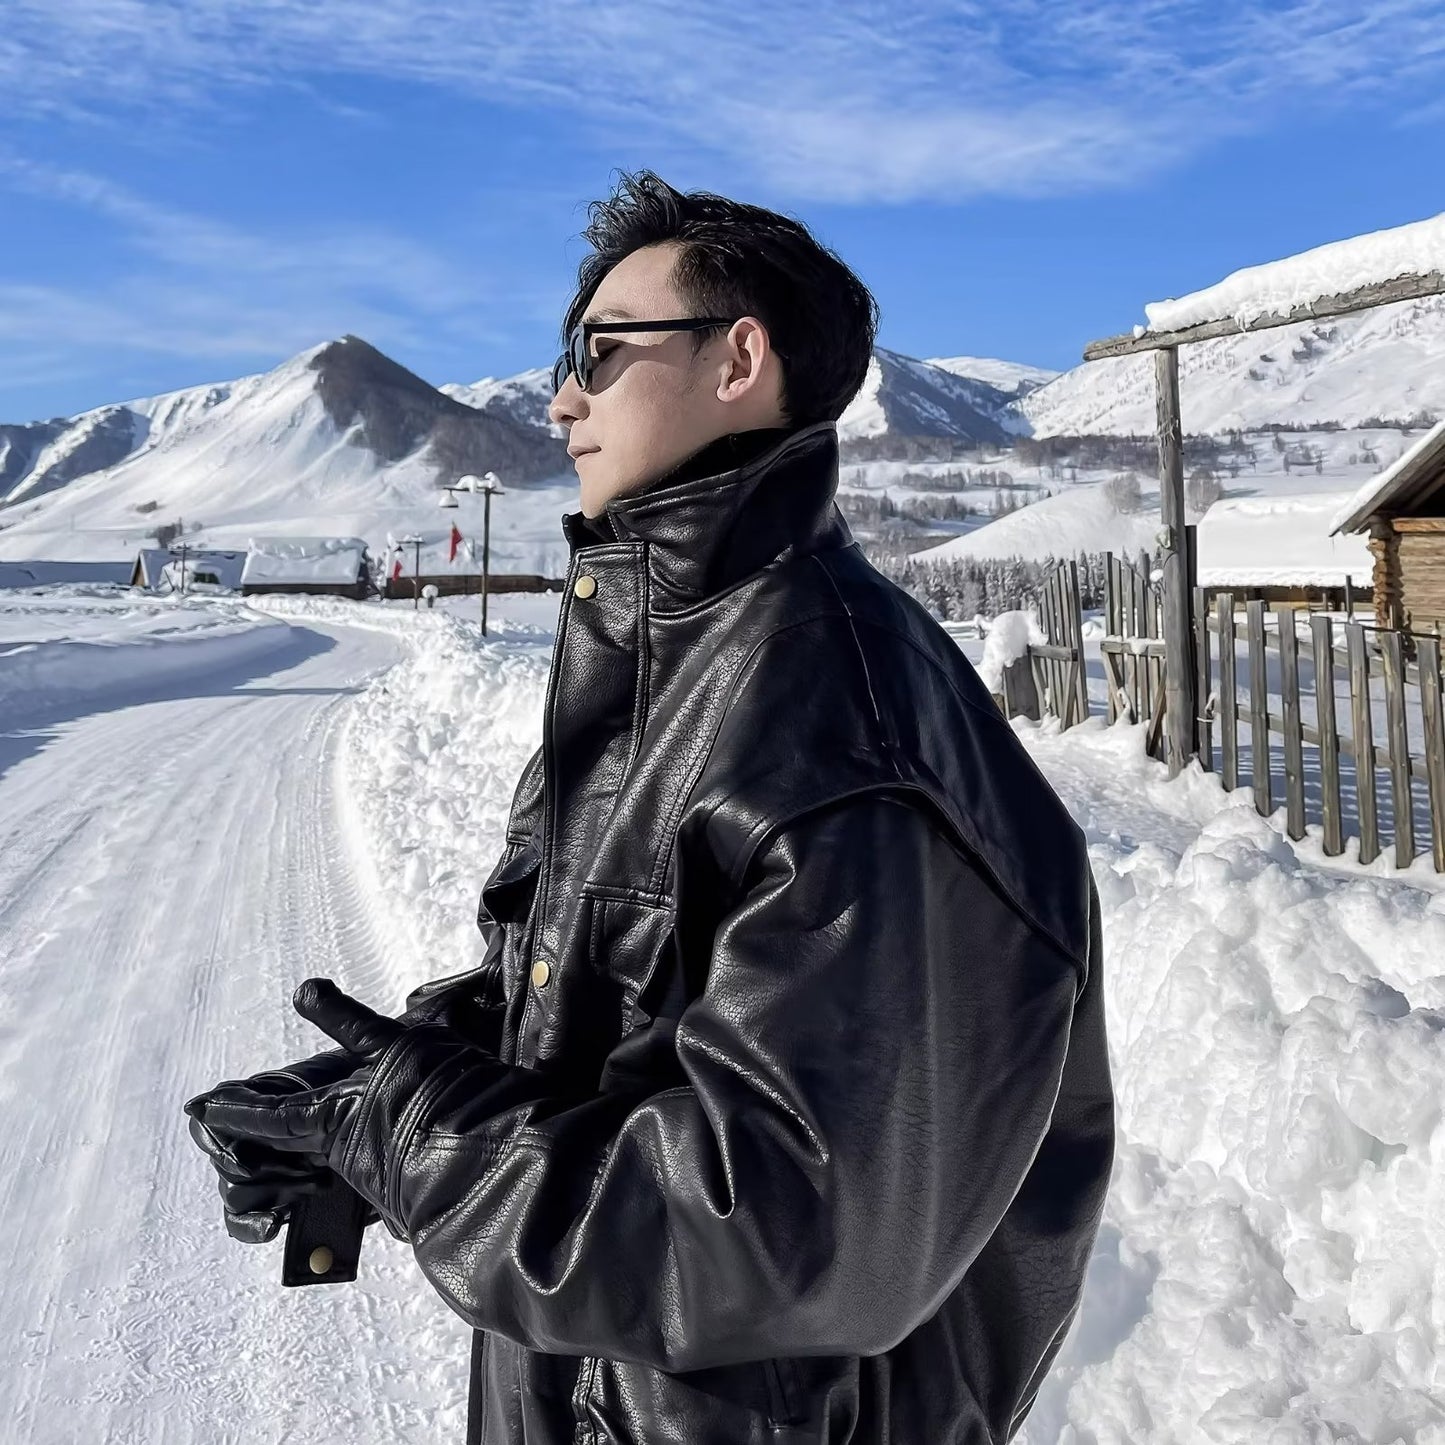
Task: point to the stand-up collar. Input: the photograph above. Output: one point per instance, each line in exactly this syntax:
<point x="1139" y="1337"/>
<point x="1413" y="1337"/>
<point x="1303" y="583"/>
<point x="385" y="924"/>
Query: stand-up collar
<point x="719" y="523"/>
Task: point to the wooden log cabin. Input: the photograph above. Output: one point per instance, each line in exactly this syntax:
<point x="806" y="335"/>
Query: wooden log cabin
<point x="1402" y="513"/>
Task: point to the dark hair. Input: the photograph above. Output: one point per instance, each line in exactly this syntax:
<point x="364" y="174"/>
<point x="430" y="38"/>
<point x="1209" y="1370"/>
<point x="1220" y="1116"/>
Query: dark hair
<point x="742" y="260"/>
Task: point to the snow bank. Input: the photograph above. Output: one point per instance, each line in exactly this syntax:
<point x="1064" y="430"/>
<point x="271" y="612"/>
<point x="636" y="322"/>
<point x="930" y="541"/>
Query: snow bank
<point x="1277" y="287"/>
<point x="430" y="758"/>
<point x="1271" y="1262"/>
<point x="90" y="651"/>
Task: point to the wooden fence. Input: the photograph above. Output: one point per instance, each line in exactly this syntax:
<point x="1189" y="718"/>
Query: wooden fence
<point x="1342" y="677"/>
<point x="1370" y="681"/>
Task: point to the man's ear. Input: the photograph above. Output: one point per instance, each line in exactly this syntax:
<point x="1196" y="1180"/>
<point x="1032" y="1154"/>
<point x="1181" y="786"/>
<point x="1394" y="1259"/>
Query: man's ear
<point x="747" y="350"/>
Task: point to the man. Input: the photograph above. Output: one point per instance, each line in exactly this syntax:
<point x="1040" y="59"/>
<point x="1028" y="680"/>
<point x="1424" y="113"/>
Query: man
<point x="780" y="1107"/>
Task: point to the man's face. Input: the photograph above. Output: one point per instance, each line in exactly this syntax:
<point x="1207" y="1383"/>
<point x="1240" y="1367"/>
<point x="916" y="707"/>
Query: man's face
<point x="653" y="403"/>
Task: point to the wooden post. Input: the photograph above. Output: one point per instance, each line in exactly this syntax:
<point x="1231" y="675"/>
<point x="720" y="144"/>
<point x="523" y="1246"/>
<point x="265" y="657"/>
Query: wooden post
<point x="1181" y="705"/>
<point x="1434" y="728"/>
<point x="1258" y="710"/>
<point x="1391" y="655"/>
<point x="1363" y="741"/>
<point x="1228" y="694"/>
<point x="1292" y="722"/>
<point x="1323" y="640"/>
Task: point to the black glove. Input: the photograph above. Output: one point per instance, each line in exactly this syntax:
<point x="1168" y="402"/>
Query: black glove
<point x="259" y="1183"/>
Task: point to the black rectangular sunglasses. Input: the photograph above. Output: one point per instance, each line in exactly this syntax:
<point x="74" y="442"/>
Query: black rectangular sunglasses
<point x="578" y="360"/>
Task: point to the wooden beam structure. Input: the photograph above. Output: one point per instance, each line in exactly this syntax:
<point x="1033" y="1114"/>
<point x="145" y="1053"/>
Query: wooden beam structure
<point x="1180" y="673"/>
<point x="1379" y="293"/>
<point x="1181" y="702"/>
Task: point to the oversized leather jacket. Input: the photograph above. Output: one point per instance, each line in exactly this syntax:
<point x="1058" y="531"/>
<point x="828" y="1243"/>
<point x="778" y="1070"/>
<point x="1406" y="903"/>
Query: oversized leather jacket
<point x="800" y="1120"/>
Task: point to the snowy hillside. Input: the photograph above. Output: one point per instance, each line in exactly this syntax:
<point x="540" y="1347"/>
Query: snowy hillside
<point x="523" y="398"/>
<point x="1012" y="378"/>
<point x="904" y="398"/>
<point x="340" y="440"/>
<point x="1387" y="363"/>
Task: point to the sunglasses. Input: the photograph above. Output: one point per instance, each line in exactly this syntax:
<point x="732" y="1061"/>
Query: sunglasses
<point x="577" y="360"/>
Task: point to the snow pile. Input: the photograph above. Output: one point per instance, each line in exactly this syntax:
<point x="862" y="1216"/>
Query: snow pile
<point x="1271" y="1261"/>
<point x="1277" y="287"/>
<point x="1007" y="640"/>
<point x="303" y="559"/>
<point x="79" y="650"/>
<point x="431" y="756"/>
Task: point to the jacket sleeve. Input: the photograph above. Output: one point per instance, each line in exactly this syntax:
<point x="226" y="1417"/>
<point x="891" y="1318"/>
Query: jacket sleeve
<point x="871" y="1069"/>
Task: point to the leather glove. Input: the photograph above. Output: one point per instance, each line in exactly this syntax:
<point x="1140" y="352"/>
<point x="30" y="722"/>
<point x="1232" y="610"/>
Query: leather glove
<point x="322" y="1123"/>
<point x="258" y="1183"/>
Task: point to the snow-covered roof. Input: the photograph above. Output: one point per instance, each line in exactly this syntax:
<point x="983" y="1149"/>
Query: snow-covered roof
<point x="303" y="559"/>
<point x="1277" y="287"/>
<point x="1280" y="541"/>
<point x="161" y="566"/>
<point x="1414" y="472"/>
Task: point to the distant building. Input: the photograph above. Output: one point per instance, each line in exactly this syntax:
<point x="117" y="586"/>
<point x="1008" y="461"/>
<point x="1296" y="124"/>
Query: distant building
<point x="1403" y="513"/>
<point x="49" y="574"/>
<point x="453" y="576"/>
<point x="158" y="569"/>
<point x="329" y="566"/>
<point x="1280" y="549"/>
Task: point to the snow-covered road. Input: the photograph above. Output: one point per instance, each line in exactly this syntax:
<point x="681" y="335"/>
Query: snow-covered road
<point x="168" y="872"/>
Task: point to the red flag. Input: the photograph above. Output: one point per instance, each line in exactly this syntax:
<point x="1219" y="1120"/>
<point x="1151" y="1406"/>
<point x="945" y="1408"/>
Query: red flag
<point x="396" y="568"/>
<point x="456" y="537"/>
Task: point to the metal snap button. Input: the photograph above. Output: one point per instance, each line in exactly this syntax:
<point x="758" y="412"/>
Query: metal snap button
<point x="541" y="972"/>
<point x="320" y="1259"/>
<point x="586" y="585"/>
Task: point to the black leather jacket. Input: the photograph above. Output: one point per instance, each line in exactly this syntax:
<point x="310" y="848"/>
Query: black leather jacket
<point x="801" y="1118"/>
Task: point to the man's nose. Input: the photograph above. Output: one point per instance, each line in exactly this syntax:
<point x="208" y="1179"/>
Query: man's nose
<point x="567" y="406"/>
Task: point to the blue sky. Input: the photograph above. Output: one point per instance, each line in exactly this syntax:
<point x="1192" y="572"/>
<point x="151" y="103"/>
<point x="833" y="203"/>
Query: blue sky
<point x="191" y="192"/>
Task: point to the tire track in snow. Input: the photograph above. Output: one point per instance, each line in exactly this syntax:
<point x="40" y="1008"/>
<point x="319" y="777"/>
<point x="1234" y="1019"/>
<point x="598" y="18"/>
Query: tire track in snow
<point x="169" y="873"/>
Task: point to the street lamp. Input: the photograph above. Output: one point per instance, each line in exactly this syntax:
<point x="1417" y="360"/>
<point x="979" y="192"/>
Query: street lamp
<point x="488" y="484"/>
<point x="410" y="539"/>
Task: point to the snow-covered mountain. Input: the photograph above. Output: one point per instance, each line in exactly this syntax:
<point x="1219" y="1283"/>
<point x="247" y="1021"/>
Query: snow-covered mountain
<point x="1388" y="363"/>
<point x="1013" y="379"/>
<point x="523" y="398"/>
<point x="903" y="398"/>
<point x="340" y="440"/>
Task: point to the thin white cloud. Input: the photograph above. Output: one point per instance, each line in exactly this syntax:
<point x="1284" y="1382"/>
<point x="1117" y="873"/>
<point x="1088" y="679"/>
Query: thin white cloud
<point x="193" y="287"/>
<point x="854" y="100"/>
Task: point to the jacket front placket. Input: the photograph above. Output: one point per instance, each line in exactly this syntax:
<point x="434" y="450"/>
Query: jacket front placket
<point x="593" y="718"/>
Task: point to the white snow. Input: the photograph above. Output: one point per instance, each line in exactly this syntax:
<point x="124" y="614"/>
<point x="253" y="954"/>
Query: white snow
<point x="1007" y="376"/>
<point x="303" y="559"/>
<point x="1386" y="362"/>
<point x="1081" y="518"/>
<point x="1277" y="287"/>
<point x="174" y="859"/>
<point x="1007" y="639"/>
<point x="1280" y="541"/>
<point x="72" y="649"/>
<point x="434" y="559"/>
<point x="1433" y="441"/>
